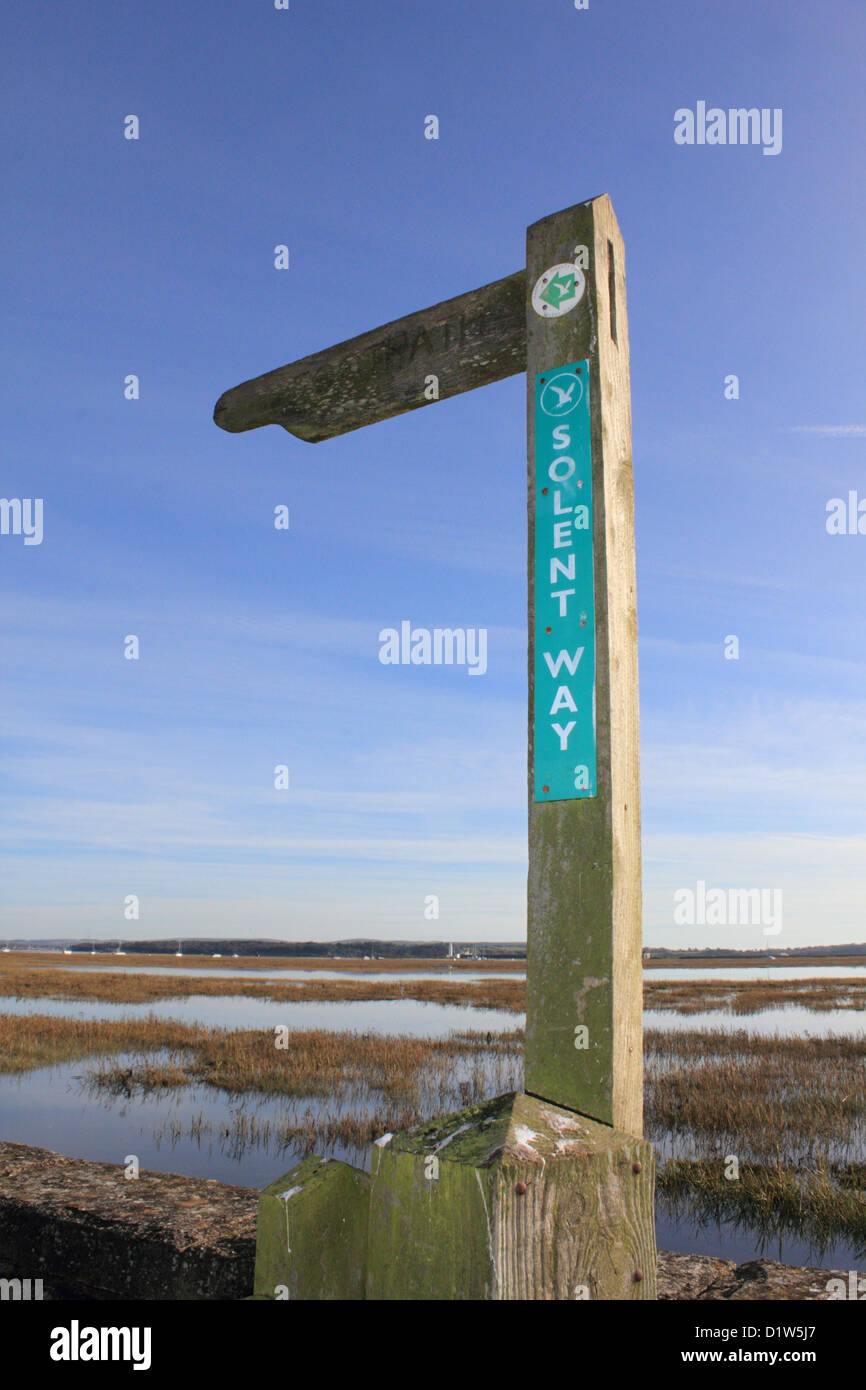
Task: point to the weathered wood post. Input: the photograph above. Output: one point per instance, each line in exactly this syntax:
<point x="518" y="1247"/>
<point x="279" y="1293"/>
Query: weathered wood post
<point x="583" y="1025"/>
<point x="545" y="1194"/>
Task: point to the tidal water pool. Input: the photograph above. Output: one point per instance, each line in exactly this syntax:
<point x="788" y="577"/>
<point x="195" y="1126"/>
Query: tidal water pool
<point x="202" y="1131"/>
<point x="402" y="1016"/>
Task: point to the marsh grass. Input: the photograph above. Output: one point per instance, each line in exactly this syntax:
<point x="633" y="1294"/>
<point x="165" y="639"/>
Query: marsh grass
<point x="753" y="996"/>
<point x="144" y="989"/>
<point x="36" y="1040"/>
<point x="753" y="962"/>
<point x="318" y="1063"/>
<point x="818" y="1205"/>
<point x="23" y="981"/>
<point x="29" y="960"/>
<point x="792" y="1109"/>
<point x="336" y="1090"/>
<point x="793" y="1100"/>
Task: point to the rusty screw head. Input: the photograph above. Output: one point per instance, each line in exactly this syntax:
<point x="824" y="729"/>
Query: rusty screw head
<point x="637" y="1276"/>
<point x="637" y="1167"/>
<point x="520" y="1188"/>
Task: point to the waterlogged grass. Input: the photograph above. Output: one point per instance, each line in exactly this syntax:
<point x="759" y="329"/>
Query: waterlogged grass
<point x="338" y="1089"/>
<point x="820" y="1206"/>
<point x="794" y="1100"/>
<point x="22" y="980"/>
<point x="29" y="960"/>
<point x="763" y="1133"/>
<point x="791" y="1109"/>
<point x="781" y="962"/>
<point x="35" y="1040"/>
<point x="799" y="1101"/>
<point x="316" y="1062"/>
<point x="145" y="989"/>
<point x="752" y="996"/>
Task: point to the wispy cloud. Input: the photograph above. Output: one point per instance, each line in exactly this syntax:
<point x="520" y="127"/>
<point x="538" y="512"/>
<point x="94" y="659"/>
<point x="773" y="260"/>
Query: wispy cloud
<point x="829" y="431"/>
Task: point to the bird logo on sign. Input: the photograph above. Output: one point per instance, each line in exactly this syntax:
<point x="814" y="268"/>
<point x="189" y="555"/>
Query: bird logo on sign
<point x="562" y="394"/>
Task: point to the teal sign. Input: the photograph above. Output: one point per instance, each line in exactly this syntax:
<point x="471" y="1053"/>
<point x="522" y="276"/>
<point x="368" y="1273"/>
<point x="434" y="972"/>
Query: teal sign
<point x="565" y="753"/>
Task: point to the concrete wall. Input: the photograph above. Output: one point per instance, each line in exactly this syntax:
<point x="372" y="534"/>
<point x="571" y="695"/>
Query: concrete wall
<point x="90" y="1233"/>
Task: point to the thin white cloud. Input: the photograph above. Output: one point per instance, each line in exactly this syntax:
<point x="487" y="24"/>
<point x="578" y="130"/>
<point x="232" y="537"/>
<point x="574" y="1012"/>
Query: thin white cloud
<point x="829" y="431"/>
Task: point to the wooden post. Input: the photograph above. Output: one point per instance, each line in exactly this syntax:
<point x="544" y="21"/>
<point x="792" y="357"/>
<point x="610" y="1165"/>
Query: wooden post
<point x="583" y="1025"/>
<point x="548" y="1194"/>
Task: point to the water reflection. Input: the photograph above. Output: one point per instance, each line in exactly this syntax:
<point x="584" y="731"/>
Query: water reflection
<point x="402" y="1016"/>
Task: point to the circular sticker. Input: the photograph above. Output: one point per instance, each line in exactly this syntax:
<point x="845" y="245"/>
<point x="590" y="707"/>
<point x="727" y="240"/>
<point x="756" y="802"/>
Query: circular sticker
<point x="561" y="394"/>
<point x="558" y="290"/>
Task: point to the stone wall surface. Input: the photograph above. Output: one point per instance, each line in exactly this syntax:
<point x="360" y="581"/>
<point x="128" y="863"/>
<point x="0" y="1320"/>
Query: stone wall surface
<point x="89" y="1232"/>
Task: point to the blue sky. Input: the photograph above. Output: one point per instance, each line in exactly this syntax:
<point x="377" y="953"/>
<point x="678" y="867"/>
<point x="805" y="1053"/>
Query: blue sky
<point x="155" y="257"/>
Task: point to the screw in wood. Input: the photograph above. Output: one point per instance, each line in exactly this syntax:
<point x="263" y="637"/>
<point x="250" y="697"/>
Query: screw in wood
<point x="520" y="1187"/>
<point x="637" y="1276"/>
<point x="637" y="1167"/>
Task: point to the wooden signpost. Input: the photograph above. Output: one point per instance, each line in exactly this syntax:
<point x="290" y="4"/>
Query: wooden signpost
<point x="547" y="1193"/>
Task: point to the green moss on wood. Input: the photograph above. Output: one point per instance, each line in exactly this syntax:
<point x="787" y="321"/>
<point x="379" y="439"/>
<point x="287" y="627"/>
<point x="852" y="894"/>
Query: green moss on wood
<point x="312" y="1233"/>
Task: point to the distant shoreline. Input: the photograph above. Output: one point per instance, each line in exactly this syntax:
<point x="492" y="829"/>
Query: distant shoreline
<point x="744" y="961"/>
<point x="346" y="953"/>
<point x="410" y="964"/>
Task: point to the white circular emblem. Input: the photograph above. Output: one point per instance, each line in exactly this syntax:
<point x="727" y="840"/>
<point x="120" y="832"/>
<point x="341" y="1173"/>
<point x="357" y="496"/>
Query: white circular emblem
<point x="561" y="394"/>
<point x="558" y="290"/>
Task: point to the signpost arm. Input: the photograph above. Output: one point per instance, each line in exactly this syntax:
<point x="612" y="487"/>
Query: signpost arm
<point x="460" y="345"/>
<point x="583" y="1028"/>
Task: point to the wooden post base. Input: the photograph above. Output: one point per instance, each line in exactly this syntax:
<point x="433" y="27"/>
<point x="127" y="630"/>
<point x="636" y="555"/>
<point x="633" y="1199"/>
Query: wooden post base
<point x="511" y="1199"/>
<point x="311" y="1235"/>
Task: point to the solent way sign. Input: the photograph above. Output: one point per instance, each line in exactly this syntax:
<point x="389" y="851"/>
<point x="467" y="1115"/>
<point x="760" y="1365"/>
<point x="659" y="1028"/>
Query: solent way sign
<point x="565" y="1180"/>
<point x="564" y="617"/>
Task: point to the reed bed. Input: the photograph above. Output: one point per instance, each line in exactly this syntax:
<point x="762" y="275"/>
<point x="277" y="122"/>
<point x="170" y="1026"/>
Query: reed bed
<point x="819" y="1206"/>
<point x="791" y="1100"/>
<point x="753" y="962"/>
<point x="78" y="960"/>
<point x="752" y="996"/>
<point x="36" y="1040"/>
<point x="791" y="1109"/>
<point x="143" y="989"/>
<point x="733" y="997"/>
<point x="318" y="1063"/>
<point x="335" y="1089"/>
<point x="795" y="1101"/>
